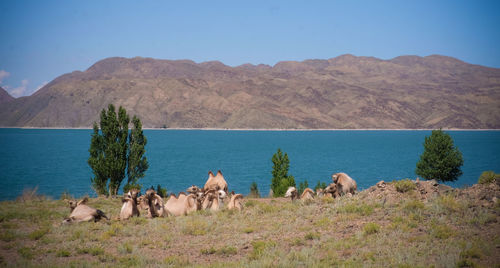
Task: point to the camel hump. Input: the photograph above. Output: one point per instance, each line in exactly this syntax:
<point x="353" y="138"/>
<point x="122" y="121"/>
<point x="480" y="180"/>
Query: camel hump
<point x="308" y="190"/>
<point x="237" y="196"/>
<point x="210" y="174"/>
<point x="173" y="194"/>
<point x="219" y="172"/>
<point x="83" y="201"/>
<point x="182" y="193"/>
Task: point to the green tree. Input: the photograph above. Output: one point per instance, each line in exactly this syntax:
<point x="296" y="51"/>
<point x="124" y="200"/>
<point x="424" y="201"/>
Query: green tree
<point x="96" y="162"/>
<point x="137" y="162"/>
<point x="281" y="180"/>
<point x="108" y="151"/>
<point x="254" y="190"/>
<point x="302" y="186"/>
<point x="320" y="185"/>
<point x="441" y="160"/>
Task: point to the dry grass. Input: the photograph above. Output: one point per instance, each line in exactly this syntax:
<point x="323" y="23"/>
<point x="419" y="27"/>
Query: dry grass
<point x="354" y="232"/>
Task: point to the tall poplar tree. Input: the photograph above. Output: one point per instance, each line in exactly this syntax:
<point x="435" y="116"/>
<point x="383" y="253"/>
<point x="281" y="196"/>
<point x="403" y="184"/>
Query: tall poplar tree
<point x="281" y="180"/>
<point x="137" y="162"/>
<point x="108" y="150"/>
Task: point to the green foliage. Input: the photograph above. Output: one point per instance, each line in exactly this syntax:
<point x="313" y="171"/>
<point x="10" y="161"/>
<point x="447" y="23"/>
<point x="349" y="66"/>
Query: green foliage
<point x="371" y="228"/>
<point x="302" y="186"/>
<point x="488" y="177"/>
<point x="404" y="186"/>
<point x="281" y="180"/>
<point x="312" y="236"/>
<point x="320" y="185"/>
<point x="162" y="192"/>
<point x="137" y="162"/>
<point x="254" y="191"/>
<point x="112" y="150"/>
<point x="441" y="160"/>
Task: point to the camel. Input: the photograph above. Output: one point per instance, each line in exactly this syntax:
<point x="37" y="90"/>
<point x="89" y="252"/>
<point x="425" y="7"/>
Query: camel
<point x="129" y="207"/>
<point x="214" y="199"/>
<point x="331" y="191"/>
<point x="181" y="205"/>
<point x="199" y="192"/>
<point x="307" y="194"/>
<point x="154" y="203"/>
<point x="214" y="181"/>
<point x="345" y="184"/>
<point x="81" y="212"/>
<point x="320" y="192"/>
<point x="235" y="202"/>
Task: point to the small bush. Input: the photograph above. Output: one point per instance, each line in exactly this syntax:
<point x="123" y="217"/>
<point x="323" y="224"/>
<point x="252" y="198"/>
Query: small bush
<point x="26" y="253"/>
<point x="449" y="203"/>
<point x="35" y="235"/>
<point x="250" y="203"/>
<point x="466" y="263"/>
<point x="487" y="177"/>
<point x="208" y="251"/>
<point x="226" y="251"/>
<point x="414" y="205"/>
<point x="7" y="236"/>
<point x="63" y="253"/>
<point x="441" y="231"/>
<point x="259" y="247"/>
<point x="371" y="228"/>
<point x="404" y="186"/>
<point x="312" y="236"/>
<point x="254" y="191"/>
<point x="125" y="248"/>
<point x="195" y="227"/>
<point x="248" y="230"/>
<point x="472" y="252"/>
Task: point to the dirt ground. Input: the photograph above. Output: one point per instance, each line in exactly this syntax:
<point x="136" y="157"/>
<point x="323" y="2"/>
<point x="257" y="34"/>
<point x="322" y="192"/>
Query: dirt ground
<point x="405" y="224"/>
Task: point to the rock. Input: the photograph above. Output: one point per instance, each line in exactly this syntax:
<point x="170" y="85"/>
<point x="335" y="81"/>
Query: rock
<point x="433" y="182"/>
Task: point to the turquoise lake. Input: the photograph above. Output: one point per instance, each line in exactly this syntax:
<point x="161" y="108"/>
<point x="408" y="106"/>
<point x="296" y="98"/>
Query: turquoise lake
<point x="56" y="160"/>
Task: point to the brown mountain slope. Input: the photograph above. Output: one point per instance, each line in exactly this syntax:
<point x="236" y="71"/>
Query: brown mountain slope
<point x="5" y="96"/>
<point x="342" y="92"/>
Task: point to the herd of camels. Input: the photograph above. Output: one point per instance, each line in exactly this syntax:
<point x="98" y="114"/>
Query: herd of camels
<point x="212" y="197"/>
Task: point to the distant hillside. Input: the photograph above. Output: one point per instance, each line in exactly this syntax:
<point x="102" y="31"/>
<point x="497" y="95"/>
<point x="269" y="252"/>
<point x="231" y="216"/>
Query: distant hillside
<point x="5" y="96"/>
<point x="342" y="92"/>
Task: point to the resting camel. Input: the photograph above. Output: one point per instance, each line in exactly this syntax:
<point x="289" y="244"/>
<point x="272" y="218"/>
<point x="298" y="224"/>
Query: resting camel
<point x="214" y="181"/>
<point x="320" y="192"/>
<point x="307" y="194"/>
<point x="181" y="205"/>
<point x="81" y="212"/>
<point x="154" y="203"/>
<point x="199" y="192"/>
<point x="129" y="207"/>
<point x="214" y="199"/>
<point x="235" y="202"/>
<point x="331" y="190"/>
<point x="345" y="184"/>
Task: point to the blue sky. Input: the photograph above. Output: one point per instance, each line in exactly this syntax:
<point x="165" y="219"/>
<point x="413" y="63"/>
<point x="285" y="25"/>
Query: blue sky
<point x="41" y="40"/>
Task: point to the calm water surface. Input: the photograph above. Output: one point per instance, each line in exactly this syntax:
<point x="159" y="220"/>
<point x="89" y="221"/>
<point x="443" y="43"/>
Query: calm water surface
<point x="56" y="160"/>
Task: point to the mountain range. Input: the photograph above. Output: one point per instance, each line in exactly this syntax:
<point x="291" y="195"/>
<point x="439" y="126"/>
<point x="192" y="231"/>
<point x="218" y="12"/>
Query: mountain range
<point x="345" y="92"/>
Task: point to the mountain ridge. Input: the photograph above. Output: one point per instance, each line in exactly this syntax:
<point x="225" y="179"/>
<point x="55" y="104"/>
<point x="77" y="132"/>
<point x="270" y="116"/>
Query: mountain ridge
<point x="345" y="92"/>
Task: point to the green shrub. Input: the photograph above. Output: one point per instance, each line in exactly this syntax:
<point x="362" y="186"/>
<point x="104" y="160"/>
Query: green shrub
<point x="312" y="236"/>
<point x="414" y="205"/>
<point x="254" y="191"/>
<point x="227" y="250"/>
<point x="487" y="177"/>
<point x="259" y="247"/>
<point x="26" y="253"/>
<point x="35" y="235"/>
<point x="208" y="251"/>
<point x="371" y="228"/>
<point x="465" y="263"/>
<point x="63" y="253"/>
<point x="363" y="209"/>
<point x="404" y="186"/>
<point x="195" y="227"/>
<point x="441" y="231"/>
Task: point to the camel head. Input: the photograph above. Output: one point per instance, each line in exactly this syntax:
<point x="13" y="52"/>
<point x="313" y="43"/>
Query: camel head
<point x="291" y="192"/>
<point x="331" y="189"/>
<point x="193" y="189"/>
<point x="221" y="194"/>
<point x="335" y="177"/>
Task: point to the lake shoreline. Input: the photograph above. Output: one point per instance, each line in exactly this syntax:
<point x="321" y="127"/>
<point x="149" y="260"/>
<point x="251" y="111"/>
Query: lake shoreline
<point x="274" y="129"/>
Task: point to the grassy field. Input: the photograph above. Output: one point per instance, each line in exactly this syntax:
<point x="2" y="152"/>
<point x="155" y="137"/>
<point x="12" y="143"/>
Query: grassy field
<point x="446" y="230"/>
